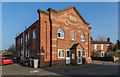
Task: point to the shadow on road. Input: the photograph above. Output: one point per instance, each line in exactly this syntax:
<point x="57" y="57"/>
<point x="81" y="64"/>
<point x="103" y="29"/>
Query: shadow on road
<point x="107" y="68"/>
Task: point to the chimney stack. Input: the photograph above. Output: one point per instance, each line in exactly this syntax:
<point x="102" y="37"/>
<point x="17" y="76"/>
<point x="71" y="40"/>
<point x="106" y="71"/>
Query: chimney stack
<point x="108" y="39"/>
<point x="25" y="27"/>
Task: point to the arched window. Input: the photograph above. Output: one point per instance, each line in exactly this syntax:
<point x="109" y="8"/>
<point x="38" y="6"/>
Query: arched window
<point x="72" y="35"/>
<point x="60" y="33"/>
<point x="82" y="37"/>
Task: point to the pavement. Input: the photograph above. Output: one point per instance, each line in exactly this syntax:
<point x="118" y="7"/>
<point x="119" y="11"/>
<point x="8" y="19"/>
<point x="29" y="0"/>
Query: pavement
<point x="94" y="68"/>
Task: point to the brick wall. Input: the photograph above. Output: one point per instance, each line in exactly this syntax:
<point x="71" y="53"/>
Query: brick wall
<point x="47" y="43"/>
<point x="105" y="47"/>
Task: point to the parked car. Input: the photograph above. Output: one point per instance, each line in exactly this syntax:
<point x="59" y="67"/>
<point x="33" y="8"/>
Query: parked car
<point x="6" y="60"/>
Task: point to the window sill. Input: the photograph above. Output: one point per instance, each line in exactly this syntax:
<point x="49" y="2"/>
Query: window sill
<point x="60" y="38"/>
<point x="60" y="57"/>
<point x="34" y="38"/>
<point x="83" y="40"/>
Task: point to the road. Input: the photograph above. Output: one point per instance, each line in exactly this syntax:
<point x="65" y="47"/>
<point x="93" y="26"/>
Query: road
<point x="95" y="68"/>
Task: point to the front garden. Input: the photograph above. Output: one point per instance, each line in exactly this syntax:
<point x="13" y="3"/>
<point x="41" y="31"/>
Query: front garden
<point x="108" y="56"/>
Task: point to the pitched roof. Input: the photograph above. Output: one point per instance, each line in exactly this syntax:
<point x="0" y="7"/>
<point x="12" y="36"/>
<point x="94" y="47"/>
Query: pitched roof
<point x="101" y="42"/>
<point x="75" y="45"/>
<point x="26" y="29"/>
<point x="50" y="9"/>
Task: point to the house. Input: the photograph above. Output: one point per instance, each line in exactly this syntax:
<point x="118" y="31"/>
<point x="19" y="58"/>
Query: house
<point x="57" y="38"/>
<point x="102" y="46"/>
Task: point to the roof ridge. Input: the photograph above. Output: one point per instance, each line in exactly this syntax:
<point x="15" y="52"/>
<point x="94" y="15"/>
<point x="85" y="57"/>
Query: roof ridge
<point x="61" y="10"/>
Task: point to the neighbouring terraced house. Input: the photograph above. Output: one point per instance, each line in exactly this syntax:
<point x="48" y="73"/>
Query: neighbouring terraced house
<point x="57" y="38"/>
<point x="102" y="46"/>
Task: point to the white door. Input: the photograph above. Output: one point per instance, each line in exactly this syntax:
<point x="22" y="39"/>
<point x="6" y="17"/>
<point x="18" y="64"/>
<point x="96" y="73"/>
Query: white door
<point x="79" y="59"/>
<point x="67" y="56"/>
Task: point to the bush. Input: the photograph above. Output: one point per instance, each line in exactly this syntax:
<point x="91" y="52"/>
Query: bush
<point x="119" y="54"/>
<point x="96" y="54"/>
<point x="112" y="53"/>
<point x="103" y="58"/>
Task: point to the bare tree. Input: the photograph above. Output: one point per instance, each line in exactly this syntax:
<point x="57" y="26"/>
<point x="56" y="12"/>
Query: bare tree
<point x="100" y="38"/>
<point x="11" y="48"/>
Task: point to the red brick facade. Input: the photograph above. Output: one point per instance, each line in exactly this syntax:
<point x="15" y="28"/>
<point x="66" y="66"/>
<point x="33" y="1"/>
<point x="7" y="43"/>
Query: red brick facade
<point x="47" y="42"/>
<point x="104" y="46"/>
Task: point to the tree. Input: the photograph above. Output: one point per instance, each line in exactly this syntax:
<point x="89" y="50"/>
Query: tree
<point x="91" y="38"/>
<point x="11" y="48"/>
<point x="117" y="45"/>
<point x="101" y="38"/>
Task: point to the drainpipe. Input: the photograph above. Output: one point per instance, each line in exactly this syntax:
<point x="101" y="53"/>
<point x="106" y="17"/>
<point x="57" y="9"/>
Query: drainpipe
<point x="50" y="37"/>
<point x="39" y="35"/>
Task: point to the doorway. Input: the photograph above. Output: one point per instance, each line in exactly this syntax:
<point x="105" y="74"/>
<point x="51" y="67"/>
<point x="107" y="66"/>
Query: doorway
<point x="67" y="56"/>
<point x="79" y="59"/>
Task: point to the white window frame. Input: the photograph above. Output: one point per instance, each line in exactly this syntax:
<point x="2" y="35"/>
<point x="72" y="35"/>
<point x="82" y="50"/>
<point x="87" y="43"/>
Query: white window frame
<point x="22" y="55"/>
<point x="26" y="53"/>
<point x="73" y="34"/>
<point x="102" y="46"/>
<point x="85" y="53"/>
<point x="28" y="35"/>
<point x="34" y="34"/>
<point x="61" y="53"/>
<point x="61" y="33"/>
<point x="26" y="38"/>
<point x="21" y="40"/>
<point x="82" y="38"/>
<point x="95" y="46"/>
<point x="18" y="41"/>
<point x="103" y="54"/>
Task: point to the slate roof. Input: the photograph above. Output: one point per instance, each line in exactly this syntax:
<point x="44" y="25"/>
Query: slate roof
<point x="75" y="45"/>
<point x="58" y="11"/>
<point x="101" y="42"/>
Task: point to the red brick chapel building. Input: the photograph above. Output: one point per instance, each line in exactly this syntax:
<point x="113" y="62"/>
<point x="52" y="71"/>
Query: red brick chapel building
<point x="57" y="38"/>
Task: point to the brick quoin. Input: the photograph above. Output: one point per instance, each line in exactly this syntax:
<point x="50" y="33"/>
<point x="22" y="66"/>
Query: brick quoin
<point x="47" y="41"/>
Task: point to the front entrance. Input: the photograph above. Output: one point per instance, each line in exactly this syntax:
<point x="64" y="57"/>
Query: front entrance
<point x="67" y="56"/>
<point x="79" y="59"/>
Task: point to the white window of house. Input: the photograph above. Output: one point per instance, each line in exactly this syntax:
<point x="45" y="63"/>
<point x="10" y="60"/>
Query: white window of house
<point x="102" y="46"/>
<point x="26" y="36"/>
<point x="60" y="53"/>
<point x="21" y="40"/>
<point x="60" y="33"/>
<point x="34" y="34"/>
<point x="18" y="41"/>
<point x="22" y="54"/>
<point x="82" y="37"/>
<point x="83" y="53"/>
<point x="26" y="53"/>
<point x="72" y="35"/>
<point x="102" y="53"/>
<point x="95" y="46"/>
